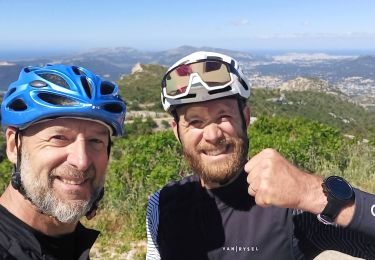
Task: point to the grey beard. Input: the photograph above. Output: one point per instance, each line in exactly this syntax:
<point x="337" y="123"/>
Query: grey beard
<point x="66" y="212"/>
<point x="43" y="198"/>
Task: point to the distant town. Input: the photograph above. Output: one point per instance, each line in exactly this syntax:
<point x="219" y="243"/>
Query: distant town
<point x="354" y="76"/>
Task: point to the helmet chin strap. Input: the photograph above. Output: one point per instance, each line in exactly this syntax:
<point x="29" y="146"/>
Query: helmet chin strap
<point x="16" y="173"/>
<point x="92" y="211"/>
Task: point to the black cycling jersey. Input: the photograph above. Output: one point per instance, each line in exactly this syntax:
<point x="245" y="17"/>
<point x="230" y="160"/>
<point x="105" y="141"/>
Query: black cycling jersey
<point x="20" y="241"/>
<point x="186" y="221"/>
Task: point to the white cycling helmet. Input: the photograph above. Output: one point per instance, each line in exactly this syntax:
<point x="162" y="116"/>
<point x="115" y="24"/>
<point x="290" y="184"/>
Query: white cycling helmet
<point x="202" y="76"/>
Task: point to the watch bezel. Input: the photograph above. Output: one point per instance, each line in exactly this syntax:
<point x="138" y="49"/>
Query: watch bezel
<point x="338" y="188"/>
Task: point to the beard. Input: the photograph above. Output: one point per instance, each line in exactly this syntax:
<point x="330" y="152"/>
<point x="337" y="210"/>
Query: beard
<point x="223" y="171"/>
<point x="40" y="192"/>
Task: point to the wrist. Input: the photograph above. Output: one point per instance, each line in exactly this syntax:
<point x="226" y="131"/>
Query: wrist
<point x="312" y="197"/>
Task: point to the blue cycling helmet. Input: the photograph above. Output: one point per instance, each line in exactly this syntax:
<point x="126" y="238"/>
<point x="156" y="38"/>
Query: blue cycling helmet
<point x="62" y="91"/>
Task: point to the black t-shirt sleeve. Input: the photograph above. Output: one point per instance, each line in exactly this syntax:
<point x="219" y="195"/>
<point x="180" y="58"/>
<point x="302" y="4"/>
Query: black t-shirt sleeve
<point x="364" y="215"/>
<point x="357" y="239"/>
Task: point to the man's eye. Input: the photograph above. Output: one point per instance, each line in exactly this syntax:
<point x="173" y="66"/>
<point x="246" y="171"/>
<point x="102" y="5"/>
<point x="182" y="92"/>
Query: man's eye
<point x="59" y="138"/>
<point x="225" y="118"/>
<point x="96" y="141"/>
<point x="97" y="144"/>
<point x="196" y="123"/>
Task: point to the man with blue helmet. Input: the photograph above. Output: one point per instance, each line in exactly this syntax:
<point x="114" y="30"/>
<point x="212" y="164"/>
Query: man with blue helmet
<point x="235" y="208"/>
<point x="58" y="122"/>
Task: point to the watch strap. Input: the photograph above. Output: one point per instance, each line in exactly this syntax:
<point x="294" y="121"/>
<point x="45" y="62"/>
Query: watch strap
<point x="334" y="206"/>
<point x="330" y="212"/>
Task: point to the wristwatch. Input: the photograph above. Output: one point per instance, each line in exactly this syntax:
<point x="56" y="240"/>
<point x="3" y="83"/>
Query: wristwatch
<point x="339" y="195"/>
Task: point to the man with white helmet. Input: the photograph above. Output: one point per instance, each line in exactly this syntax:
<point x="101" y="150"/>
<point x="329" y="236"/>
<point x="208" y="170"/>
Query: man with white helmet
<point x="289" y="214"/>
<point x="59" y="121"/>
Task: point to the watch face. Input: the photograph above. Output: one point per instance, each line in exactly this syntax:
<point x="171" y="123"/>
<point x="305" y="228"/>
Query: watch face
<point x="339" y="188"/>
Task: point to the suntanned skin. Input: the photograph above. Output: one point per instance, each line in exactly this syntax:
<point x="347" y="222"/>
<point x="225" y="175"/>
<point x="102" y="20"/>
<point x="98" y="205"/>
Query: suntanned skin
<point x="53" y="144"/>
<point x="273" y="181"/>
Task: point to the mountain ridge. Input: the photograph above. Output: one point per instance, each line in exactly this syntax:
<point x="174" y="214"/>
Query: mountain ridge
<point x="353" y="76"/>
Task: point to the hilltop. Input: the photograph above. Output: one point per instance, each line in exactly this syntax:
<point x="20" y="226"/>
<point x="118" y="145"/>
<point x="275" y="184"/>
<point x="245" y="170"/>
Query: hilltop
<point x="307" y="84"/>
<point x="141" y="88"/>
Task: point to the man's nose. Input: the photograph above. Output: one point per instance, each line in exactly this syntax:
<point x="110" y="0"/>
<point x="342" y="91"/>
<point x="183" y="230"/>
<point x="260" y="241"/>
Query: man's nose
<point x="78" y="155"/>
<point x="212" y="133"/>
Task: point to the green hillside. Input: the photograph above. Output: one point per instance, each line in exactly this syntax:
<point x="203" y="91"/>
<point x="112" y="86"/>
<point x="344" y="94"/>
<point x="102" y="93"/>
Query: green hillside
<point x="141" y="89"/>
<point x="329" y="109"/>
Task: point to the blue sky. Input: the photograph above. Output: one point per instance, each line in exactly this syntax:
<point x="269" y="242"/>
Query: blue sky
<point x="159" y="25"/>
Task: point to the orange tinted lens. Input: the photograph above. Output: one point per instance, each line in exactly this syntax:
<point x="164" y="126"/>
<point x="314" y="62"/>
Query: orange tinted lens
<point x="176" y="84"/>
<point x="213" y="73"/>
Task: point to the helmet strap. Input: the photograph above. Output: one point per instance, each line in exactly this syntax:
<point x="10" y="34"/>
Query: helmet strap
<point x="241" y="105"/>
<point x="176" y="119"/>
<point x="92" y="211"/>
<point x="109" y="145"/>
<point x="16" y="173"/>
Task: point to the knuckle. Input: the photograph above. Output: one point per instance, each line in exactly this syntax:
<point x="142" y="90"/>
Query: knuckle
<point x="269" y="152"/>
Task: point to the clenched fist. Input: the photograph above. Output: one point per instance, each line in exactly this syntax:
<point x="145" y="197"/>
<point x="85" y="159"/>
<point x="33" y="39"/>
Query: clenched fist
<point x="274" y="181"/>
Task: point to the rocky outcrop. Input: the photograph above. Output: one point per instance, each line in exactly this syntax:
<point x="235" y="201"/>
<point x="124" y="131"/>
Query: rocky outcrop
<point x="137" y="68"/>
<point x="307" y="84"/>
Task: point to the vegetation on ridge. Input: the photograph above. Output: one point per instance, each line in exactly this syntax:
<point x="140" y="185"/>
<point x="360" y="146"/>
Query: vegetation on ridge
<point x="143" y="88"/>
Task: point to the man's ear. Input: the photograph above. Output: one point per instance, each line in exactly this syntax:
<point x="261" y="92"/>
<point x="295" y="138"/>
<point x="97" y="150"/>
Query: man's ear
<point x="247" y="114"/>
<point x="11" y="149"/>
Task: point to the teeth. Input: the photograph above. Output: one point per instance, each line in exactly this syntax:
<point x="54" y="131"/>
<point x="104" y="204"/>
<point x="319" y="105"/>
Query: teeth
<point x="215" y="152"/>
<point x="71" y="182"/>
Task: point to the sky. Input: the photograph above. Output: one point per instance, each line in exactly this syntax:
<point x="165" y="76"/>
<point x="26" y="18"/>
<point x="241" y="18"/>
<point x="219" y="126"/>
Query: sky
<point x="79" y="25"/>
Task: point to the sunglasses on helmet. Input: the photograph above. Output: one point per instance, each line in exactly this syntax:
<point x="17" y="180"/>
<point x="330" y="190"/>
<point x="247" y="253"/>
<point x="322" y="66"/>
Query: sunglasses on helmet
<point x="213" y="74"/>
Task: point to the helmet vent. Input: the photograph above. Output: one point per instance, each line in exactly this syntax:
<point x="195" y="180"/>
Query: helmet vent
<point x="18" y="105"/>
<point x="246" y="87"/>
<point x="211" y="92"/>
<point x="10" y="92"/>
<point x="214" y="58"/>
<point x="106" y="88"/>
<point x="57" y="100"/>
<point x="55" y="79"/>
<point x="113" y="108"/>
<point x="78" y="71"/>
<point x="86" y="86"/>
<point x="188" y="96"/>
<point x="29" y="69"/>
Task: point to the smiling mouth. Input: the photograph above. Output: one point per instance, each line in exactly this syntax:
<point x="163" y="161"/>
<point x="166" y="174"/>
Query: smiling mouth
<point x="72" y="181"/>
<point x="216" y="152"/>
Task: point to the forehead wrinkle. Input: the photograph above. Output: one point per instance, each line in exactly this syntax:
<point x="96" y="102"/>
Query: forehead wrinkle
<point x="223" y="108"/>
<point x="59" y="126"/>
